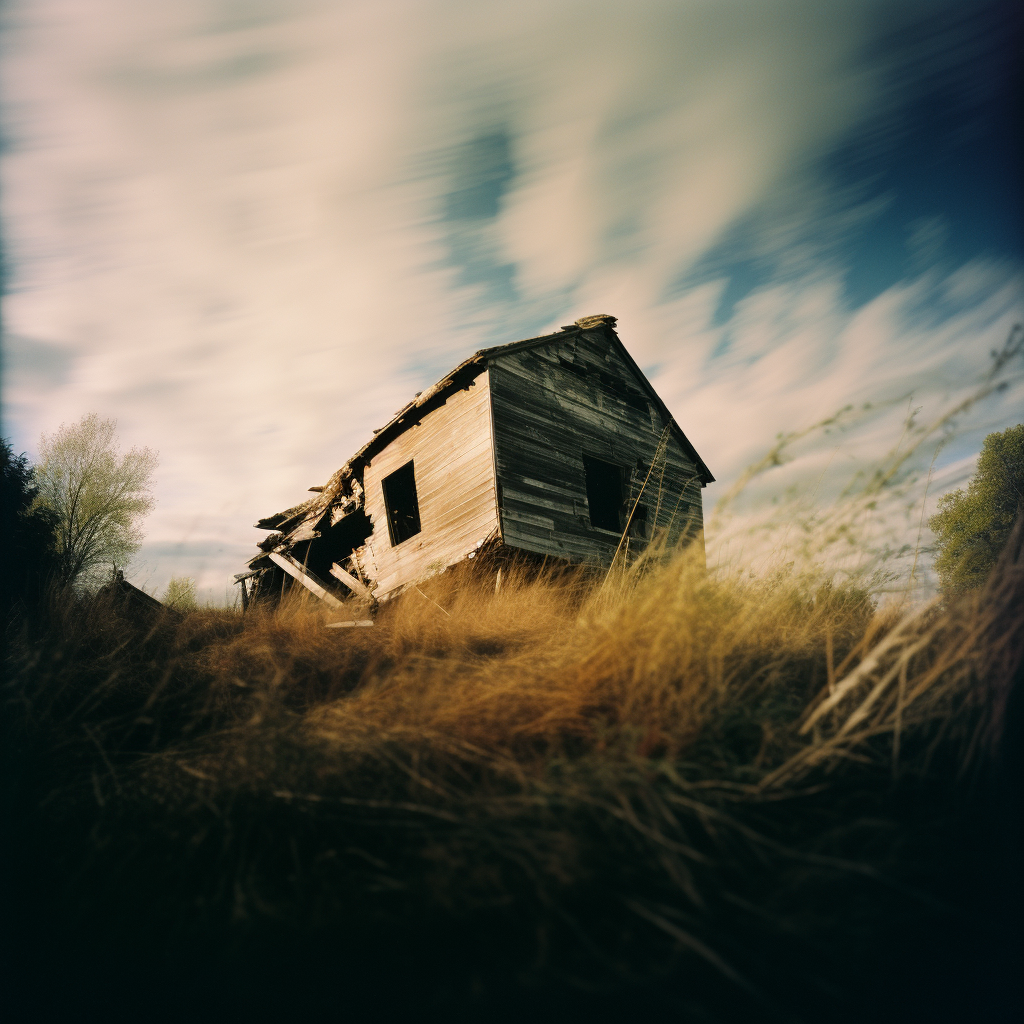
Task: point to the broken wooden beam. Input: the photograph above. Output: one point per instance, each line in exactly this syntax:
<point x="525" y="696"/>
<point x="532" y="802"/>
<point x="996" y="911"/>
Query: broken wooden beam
<point x="356" y="585"/>
<point x="295" y="568"/>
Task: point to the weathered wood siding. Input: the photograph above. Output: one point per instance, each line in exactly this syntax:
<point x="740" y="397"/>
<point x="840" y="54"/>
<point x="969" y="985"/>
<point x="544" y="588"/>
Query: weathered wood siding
<point x="550" y="406"/>
<point x="454" y="468"/>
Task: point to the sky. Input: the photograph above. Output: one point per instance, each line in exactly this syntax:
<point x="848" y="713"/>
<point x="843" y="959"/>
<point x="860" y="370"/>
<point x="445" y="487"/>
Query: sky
<point x="251" y="231"/>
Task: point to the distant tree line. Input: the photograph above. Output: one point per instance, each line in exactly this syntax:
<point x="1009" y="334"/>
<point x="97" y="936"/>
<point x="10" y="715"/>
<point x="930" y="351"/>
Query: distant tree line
<point x="75" y="515"/>
<point x="29" y="532"/>
<point x="972" y="526"/>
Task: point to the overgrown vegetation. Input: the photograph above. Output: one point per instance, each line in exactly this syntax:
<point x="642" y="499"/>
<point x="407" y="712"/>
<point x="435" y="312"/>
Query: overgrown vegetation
<point x="972" y="525"/>
<point x="181" y="594"/>
<point x="673" y="796"/>
<point x="95" y="497"/>
<point x="667" y="794"/>
<point x="30" y="559"/>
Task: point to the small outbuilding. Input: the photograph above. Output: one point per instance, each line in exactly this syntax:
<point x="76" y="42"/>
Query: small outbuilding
<point x="557" y="446"/>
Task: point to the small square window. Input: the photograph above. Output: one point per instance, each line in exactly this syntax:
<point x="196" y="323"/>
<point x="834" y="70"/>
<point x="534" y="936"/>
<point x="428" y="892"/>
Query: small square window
<point x="402" y="507"/>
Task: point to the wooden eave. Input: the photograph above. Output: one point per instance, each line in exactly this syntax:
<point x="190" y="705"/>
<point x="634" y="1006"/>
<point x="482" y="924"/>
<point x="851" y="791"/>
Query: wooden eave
<point x="408" y="416"/>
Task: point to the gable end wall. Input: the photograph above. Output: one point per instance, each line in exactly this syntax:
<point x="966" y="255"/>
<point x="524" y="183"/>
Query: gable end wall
<point x="546" y="417"/>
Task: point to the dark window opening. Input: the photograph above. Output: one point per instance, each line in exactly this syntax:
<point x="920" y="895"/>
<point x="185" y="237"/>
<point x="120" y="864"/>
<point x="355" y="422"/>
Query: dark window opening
<point x="401" y="504"/>
<point x="604" y="493"/>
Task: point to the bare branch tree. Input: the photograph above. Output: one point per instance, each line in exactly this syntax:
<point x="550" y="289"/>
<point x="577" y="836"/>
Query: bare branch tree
<point x="96" y="495"/>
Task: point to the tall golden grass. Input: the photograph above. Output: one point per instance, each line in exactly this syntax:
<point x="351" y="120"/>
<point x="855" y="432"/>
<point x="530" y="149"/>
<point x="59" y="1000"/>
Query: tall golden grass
<point x="657" y="659"/>
<point x="656" y="793"/>
<point x="638" y="787"/>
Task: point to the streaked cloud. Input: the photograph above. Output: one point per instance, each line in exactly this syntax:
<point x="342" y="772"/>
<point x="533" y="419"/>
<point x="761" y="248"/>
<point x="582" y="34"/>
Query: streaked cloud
<point x="251" y="230"/>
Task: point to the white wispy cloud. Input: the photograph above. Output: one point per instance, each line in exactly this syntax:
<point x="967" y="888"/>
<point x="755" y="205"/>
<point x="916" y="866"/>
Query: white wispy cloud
<point x="231" y="225"/>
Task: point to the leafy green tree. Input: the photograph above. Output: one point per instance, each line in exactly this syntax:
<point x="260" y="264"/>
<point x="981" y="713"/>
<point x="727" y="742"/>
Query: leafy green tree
<point x="972" y="526"/>
<point x="181" y="594"/>
<point x="28" y="532"/>
<point x="96" y="495"/>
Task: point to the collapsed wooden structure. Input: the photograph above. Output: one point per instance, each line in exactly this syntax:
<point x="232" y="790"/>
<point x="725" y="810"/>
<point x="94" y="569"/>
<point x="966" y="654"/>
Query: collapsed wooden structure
<point x="130" y="600"/>
<point x="557" y="446"/>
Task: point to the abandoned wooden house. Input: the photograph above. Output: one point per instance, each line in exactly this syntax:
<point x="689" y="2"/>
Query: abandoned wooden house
<point x="557" y="446"/>
<point x="129" y="600"/>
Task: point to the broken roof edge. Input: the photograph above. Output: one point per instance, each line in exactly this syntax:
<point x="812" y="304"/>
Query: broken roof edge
<point x="408" y="416"/>
<point x="454" y="380"/>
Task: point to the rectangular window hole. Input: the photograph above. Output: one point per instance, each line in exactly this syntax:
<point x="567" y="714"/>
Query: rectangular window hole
<point x="402" y="507"/>
<point x="604" y="493"/>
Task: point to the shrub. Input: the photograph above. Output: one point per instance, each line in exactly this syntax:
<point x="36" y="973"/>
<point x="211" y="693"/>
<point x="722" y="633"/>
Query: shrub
<point x="181" y="594"/>
<point x="972" y="526"/>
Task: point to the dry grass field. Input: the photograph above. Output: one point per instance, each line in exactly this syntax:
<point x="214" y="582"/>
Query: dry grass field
<point x="665" y="795"/>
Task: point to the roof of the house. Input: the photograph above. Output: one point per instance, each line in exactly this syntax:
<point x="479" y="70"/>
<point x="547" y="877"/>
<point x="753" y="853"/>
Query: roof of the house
<point x="340" y="487"/>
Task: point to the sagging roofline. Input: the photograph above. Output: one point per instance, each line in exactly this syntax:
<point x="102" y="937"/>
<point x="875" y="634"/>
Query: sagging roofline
<point x="344" y="489"/>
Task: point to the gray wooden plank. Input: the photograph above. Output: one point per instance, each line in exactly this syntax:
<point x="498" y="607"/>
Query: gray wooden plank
<point x="546" y="417"/>
<point x="454" y="470"/>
